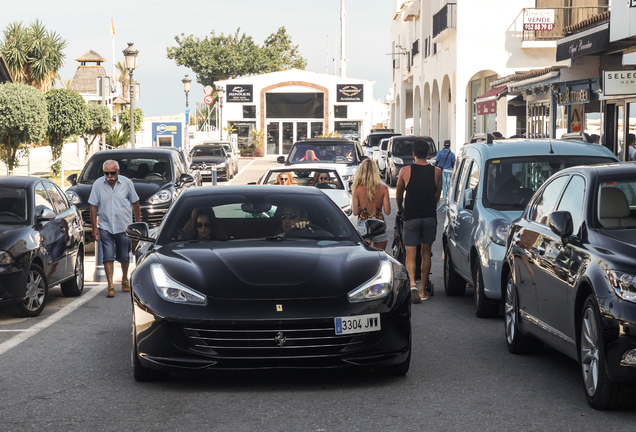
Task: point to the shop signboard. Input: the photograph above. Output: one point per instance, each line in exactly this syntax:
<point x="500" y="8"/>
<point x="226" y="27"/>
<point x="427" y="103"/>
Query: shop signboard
<point x="623" y="20"/>
<point x="350" y="93"/>
<point x="584" y="43"/>
<point x="240" y="93"/>
<point x="167" y="133"/>
<point x="538" y="20"/>
<point x="572" y="97"/>
<point x="617" y="83"/>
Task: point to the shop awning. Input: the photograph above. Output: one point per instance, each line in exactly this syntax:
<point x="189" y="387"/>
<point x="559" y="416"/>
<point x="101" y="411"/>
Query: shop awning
<point x="487" y="103"/>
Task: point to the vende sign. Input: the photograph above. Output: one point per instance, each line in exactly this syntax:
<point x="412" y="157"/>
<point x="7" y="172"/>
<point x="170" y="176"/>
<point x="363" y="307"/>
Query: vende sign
<point x="538" y="20"/>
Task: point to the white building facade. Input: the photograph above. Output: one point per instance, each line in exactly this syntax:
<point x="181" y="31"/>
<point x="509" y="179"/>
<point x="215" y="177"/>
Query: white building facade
<point x="293" y="105"/>
<point x="447" y="53"/>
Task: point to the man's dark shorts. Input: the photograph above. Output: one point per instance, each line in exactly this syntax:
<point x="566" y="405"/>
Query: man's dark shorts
<point x="115" y="246"/>
<point x="420" y="231"/>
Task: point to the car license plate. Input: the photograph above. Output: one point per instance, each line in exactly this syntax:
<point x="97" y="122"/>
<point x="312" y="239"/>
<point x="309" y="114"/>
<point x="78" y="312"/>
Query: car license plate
<point x="358" y="324"/>
<point x="206" y="172"/>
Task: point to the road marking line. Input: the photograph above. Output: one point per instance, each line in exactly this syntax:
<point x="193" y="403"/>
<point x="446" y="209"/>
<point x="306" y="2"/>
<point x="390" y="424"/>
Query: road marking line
<point x="20" y="330"/>
<point x="19" y="338"/>
<point x="240" y="172"/>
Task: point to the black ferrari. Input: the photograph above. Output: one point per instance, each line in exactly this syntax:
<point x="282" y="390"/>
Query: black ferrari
<point x="272" y="277"/>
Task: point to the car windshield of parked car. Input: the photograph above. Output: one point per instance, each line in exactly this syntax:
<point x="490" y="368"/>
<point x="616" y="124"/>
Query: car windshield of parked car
<point x="617" y="203"/>
<point x="509" y="183"/>
<point x="256" y="215"/>
<point x="13" y="206"/>
<point x="329" y="153"/>
<point x="384" y="144"/>
<point x="135" y="167"/>
<point x="403" y="148"/>
<point x="208" y="151"/>
<point x="307" y="177"/>
<point x="375" y="139"/>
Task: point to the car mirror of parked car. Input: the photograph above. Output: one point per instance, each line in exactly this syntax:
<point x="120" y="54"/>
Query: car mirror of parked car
<point x="139" y="231"/>
<point x="72" y="179"/>
<point x="186" y="178"/>
<point x="44" y="214"/>
<point x="195" y="167"/>
<point x="372" y="228"/>
<point x="469" y="199"/>
<point x="561" y="224"/>
<point x="349" y="185"/>
<point x="280" y="159"/>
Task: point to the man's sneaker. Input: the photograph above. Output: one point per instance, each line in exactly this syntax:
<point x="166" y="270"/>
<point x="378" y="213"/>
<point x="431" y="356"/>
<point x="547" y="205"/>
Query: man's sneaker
<point x="111" y="292"/>
<point x="415" y="295"/>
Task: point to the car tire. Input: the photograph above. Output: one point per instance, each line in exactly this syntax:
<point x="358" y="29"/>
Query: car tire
<point x="517" y="343"/>
<point x="454" y="285"/>
<point x="484" y="307"/>
<point x="600" y="391"/>
<point x="140" y="372"/>
<point x="36" y="291"/>
<point x="75" y="286"/>
<point x="400" y="369"/>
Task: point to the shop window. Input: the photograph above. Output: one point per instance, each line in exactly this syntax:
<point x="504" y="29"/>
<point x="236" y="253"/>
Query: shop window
<point x="340" y="111"/>
<point x="592" y="121"/>
<point x="249" y="111"/>
<point x="561" y="121"/>
<point x="295" y="105"/>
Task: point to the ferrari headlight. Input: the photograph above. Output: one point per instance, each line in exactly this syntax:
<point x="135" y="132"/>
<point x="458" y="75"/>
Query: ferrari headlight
<point x="347" y="210"/>
<point x="398" y="161"/>
<point x="379" y="286"/>
<point x="160" y="197"/>
<point x="499" y="231"/>
<point x="172" y="291"/>
<point x="624" y="284"/>
<point x="73" y="198"/>
<point x="6" y="258"/>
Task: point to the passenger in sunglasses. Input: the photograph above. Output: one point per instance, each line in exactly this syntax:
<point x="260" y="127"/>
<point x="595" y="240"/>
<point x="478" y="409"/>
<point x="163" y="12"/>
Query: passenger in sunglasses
<point x="285" y="178"/>
<point x="202" y="225"/>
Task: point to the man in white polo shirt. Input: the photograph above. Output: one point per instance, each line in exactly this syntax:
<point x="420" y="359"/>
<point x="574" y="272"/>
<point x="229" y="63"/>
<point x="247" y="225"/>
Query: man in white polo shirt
<point x="115" y="199"/>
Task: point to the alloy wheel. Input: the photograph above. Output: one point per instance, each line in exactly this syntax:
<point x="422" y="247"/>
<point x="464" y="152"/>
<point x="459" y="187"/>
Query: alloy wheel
<point x="35" y="291"/>
<point x="590" y="351"/>
<point x="79" y="271"/>
<point x="510" y="311"/>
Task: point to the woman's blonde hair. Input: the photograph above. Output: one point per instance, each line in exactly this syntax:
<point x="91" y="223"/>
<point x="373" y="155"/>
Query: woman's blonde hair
<point x="368" y="175"/>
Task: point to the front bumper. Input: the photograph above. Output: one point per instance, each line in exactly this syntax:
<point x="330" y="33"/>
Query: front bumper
<point x="491" y="263"/>
<point x="192" y="337"/>
<point x="220" y="172"/>
<point x="619" y="334"/>
<point x="13" y="280"/>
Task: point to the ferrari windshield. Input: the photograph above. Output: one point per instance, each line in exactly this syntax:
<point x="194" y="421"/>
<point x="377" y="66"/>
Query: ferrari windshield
<point x="256" y="215"/>
<point x="342" y="153"/>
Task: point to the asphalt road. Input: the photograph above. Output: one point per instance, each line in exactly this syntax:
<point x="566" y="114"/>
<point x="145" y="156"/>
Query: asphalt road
<point x="72" y="373"/>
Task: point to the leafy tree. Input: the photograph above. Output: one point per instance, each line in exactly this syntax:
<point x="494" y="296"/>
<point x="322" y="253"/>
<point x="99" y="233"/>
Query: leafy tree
<point x="122" y="78"/>
<point x="124" y="119"/>
<point x="98" y="123"/>
<point x="23" y="120"/>
<point x="68" y="116"/>
<point x="33" y="54"/>
<point x="117" y="137"/>
<point x="222" y="57"/>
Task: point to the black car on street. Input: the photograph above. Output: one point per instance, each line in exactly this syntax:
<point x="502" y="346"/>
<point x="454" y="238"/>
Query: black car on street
<point x="42" y="244"/>
<point x="569" y="277"/>
<point x="245" y="277"/>
<point x="158" y="175"/>
<point x="209" y="157"/>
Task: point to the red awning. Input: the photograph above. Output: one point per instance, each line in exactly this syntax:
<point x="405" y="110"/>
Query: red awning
<point x="487" y="103"/>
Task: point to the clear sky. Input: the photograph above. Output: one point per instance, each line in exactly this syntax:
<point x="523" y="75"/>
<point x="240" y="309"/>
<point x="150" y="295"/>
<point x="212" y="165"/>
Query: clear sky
<point x="152" y="25"/>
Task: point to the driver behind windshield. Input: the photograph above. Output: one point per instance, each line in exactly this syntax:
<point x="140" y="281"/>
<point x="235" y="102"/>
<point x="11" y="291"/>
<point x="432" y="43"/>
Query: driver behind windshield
<point x="292" y="216"/>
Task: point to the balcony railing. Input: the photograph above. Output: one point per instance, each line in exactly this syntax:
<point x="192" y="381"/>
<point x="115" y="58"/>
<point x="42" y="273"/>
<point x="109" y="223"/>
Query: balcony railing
<point x="445" y="18"/>
<point x="563" y="17"/>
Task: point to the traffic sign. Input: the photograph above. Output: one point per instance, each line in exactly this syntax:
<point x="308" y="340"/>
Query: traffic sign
<point x="208" y="99"/>
<point x="208" y="90"/>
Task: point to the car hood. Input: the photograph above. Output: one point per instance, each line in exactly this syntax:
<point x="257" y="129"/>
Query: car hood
<point x="17" y="239"/>
<point x="144" y="189"/>
<point x="270" y="270"/>
<point x="208" y="159"/>
<point x="621" y="243"/>
<point x="506" y="215"/>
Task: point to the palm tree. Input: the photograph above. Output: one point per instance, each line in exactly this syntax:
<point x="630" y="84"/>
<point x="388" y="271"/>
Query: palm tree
<point x="64" y="82"/>
<point x="123" y="79"/>
<point x="33" y="54"/>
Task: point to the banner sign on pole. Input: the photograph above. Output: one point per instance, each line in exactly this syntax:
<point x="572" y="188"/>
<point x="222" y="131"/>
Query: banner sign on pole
<point x="538" y="20"/>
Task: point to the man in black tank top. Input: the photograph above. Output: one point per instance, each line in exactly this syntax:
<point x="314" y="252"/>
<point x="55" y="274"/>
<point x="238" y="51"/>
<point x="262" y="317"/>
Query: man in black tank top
<point x="423" y="185"/>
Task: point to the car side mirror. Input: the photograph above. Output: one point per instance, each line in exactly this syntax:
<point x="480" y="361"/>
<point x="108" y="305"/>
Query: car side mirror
<point x="139" y="231"/>
<point x="186" y="178"/>
<point x="372" y="228"/>
<point x="72" y="179"/>
<point x="195" y="167"/>
<point x="349" y="185"/>
<point x="469" y="200"/>
<point x="561" y="224"/>
<point x="43" y="214"/>
<point x="280" y="159"/>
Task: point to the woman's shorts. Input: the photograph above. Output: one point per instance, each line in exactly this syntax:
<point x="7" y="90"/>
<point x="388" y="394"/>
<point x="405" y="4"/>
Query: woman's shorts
<point x="377" y="239"/>
<point x="115" y="246"/>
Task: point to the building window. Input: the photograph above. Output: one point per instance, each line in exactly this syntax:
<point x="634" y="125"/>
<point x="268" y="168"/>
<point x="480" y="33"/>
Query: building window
<point x="481" y="123"/>
<point x="340" y="111"/>
<point x="249" y="111"/>
<point x="295" y="105"/>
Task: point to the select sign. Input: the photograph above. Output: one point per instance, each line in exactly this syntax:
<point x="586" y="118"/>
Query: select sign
<point x="350" y="93"/>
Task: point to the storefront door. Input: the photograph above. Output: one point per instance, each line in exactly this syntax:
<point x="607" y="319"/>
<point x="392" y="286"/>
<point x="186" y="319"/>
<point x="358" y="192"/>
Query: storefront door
<point x="288" y="136"/>
<point x="273" y="135"/>
<point x="280" y="134"/>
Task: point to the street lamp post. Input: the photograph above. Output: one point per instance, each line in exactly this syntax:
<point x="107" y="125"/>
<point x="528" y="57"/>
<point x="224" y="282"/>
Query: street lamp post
<point x="220" y="91"/>
<point x="186" y="88"/>
<point x="130" y="57"/>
